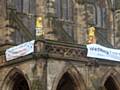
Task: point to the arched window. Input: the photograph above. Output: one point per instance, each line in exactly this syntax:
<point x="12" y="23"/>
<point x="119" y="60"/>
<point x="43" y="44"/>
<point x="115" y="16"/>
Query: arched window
<point x="15" y="80"/>
<point x="69" y="79"/>
<point x="110" y="84"/>
<point x="110" y="80"/>
<point x="66" y="83"/>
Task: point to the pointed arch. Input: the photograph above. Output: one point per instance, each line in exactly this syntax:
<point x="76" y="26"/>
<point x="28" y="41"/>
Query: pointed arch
<point x="15" y="77"/>
<point x="111" y="75"/>
<point x="74" y="75"/>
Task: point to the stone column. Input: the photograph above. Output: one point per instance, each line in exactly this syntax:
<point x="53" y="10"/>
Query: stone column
<point x="45" y="8"/>
<point x="2" y="8"/>
<point x="5" y="32"/>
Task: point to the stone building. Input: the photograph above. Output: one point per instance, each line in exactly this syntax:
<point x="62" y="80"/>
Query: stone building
<point x="60" y="60"/>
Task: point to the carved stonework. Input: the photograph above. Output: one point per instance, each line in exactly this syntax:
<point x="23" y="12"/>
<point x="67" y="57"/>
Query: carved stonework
<point x="61" y="50"/>
<point x="65" y="51"/>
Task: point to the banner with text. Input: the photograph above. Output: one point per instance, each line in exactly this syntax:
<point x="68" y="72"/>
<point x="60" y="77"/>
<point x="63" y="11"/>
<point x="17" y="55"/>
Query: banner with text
<point x="98" y="51"/>
<point x="20" y="50"/>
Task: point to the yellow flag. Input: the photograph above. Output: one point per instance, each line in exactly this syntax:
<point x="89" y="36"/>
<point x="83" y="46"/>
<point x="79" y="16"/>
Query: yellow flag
<point x="91" y="31"/>
<point x="91" y="35"/>
<point x="39" y="22"/>
<point x="39" y="26"/>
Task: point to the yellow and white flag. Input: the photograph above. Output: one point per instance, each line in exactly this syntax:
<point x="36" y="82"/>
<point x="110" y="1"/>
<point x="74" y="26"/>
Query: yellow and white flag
<point x="91" y="35"/>
<point x="39" y="26"/>
<point x="20" y="50"/>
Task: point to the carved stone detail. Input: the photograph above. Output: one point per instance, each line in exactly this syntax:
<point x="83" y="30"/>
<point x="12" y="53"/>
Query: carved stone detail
<point x="65" y="51"/>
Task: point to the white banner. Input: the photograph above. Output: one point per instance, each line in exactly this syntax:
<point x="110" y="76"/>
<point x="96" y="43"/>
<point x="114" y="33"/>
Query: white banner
<point x="20" y="50"/>
<point x="98" y="51"/>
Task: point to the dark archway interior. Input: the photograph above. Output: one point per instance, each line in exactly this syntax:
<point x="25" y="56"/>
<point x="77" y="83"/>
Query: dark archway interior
<point x="20" y="83"/>
<point x="110" y="84"/>
<point x="66" y="83"/>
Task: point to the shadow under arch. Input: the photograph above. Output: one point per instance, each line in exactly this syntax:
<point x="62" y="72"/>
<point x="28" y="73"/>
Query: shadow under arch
<point x="111" y="78"/>
<point x="15" y="80"/>
<point x="74" y="75"/>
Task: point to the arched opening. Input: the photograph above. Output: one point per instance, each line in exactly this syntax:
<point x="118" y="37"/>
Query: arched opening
<point x="19" y="83"/>
<point x="110" y="84"/>
<point x="69" y="79"/>
<point x="16" y="80"/>
<point x="66" y="83"/>
<point x="110" y="80"/>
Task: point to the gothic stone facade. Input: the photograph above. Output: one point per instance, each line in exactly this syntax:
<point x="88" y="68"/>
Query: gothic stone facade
<point x="56" y="65"/>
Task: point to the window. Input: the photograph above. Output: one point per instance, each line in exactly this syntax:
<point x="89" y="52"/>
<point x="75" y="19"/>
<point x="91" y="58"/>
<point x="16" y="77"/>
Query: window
<point x="91" y="14"/>
<point x="64" y="9"/>
<point x="23" y="6"/>
<point x="110" y="84"/>
<point x="25" y="10"/>
<point x="99" y="18"/>
<point x="103" y="10"/>
<point x="18" y="5"/>
<point x="64" y="12"/>
<point x="104" y="17"/>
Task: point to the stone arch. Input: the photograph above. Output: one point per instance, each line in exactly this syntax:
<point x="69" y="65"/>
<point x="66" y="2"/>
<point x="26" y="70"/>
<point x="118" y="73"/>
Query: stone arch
<point x="113" y="75"/>
<point x="75" y="76"/>
<point x="15" y="75"/>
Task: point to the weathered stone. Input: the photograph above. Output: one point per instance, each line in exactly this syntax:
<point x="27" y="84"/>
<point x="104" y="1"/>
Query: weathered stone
<point x="54" y="63"/>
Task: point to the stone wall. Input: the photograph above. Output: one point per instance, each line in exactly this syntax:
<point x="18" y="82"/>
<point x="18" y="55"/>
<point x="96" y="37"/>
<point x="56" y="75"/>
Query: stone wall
<point x="44" y="69"/>
<point x="93" y="78"/>
<point x="32" y="70"/>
